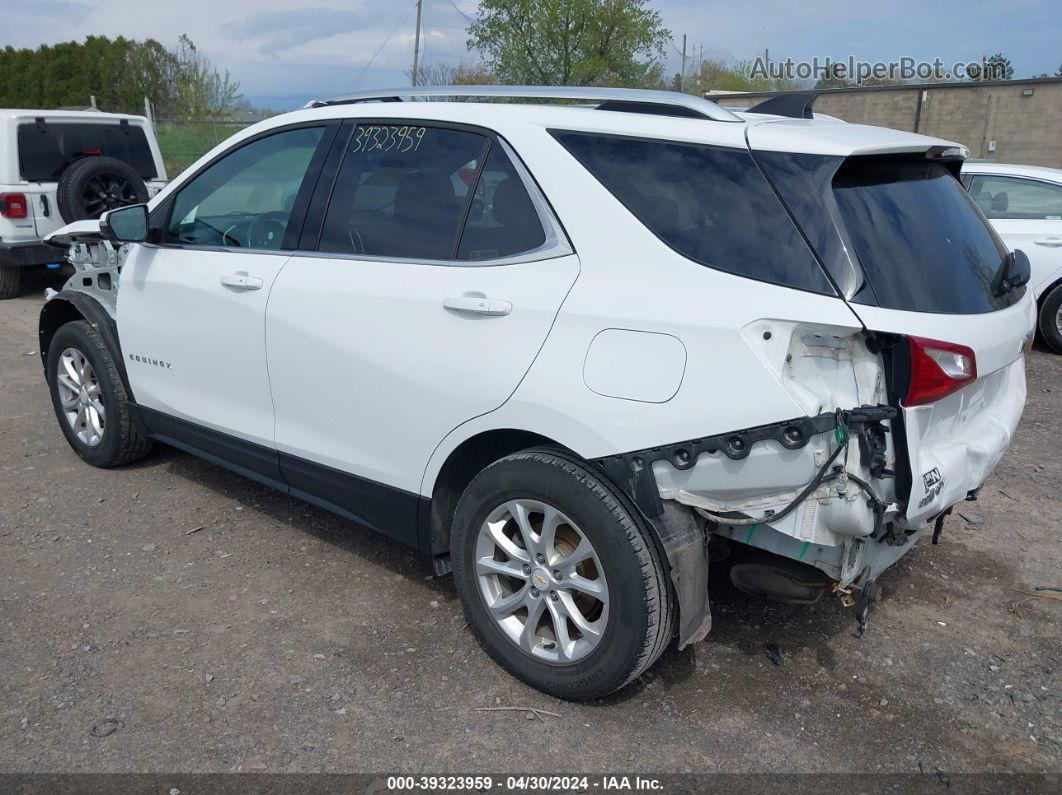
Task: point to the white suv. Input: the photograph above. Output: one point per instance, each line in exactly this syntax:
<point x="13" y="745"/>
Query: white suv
<point x="568" y="351"/>
<point x="1024" y="204"/>
<point x="58" y="166"/>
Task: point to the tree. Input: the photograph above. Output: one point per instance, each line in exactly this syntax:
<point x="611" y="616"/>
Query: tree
<point x="150" y="71"/>
<point x="1058" y="73"/>
<point x="834" y="77"/>
<point x="202" y="91"/>
<point x="997" y="67"/>
<point x="570" y="42"/>
<point x="718" y="75"/>
<point x="466" y="73"/>
<point x="119" y="73"/>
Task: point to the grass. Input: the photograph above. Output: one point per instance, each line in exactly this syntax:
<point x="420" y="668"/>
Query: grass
<point x="184" y="142"/>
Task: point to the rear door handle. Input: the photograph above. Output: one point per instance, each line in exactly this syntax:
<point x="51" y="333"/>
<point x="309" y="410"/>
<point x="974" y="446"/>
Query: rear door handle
<point x="1053" y="242"/>
<point x="478" y="305"/>
<point x="242" y="281"/>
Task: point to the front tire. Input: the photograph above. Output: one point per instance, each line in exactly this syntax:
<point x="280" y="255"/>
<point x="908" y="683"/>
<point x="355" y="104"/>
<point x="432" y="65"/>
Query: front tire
<point x="90" y="400"/>
<point x="559" y="576"/>
<point x="1051" y="319"/>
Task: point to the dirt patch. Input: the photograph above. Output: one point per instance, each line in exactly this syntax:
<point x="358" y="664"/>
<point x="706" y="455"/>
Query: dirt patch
<point x="277" y="637"/>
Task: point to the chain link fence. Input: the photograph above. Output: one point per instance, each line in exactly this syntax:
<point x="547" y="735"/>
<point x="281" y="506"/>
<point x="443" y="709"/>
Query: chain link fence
<point x="183" y="141"/>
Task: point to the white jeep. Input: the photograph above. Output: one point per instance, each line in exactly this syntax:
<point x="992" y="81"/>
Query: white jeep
<point x="59" y="166"/>
<point x="568" y="351"/>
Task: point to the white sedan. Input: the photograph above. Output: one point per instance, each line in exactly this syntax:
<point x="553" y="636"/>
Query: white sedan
<point x="1024" y="204"/>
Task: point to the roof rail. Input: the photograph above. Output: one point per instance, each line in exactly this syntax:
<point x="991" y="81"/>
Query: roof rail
<point x="632" y="100"/>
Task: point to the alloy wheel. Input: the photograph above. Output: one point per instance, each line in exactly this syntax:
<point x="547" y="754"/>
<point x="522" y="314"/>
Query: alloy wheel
<point x="81" y="396"/>
<point x="541" y="581"/>
<point x="107" y="192"/>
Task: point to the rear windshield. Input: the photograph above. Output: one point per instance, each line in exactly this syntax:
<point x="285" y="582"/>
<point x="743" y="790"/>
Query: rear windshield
<point x="710" y="204"/>
<point x="921" y="243"/>
<point x="44" y="151"/>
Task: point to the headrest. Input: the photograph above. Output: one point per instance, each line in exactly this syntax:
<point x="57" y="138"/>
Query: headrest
<point x="427" y="197"/>
<point x="512" y="205"/>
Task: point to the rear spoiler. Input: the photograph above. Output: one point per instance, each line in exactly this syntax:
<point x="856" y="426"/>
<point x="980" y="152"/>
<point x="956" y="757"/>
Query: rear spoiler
<point x="794" y="105"/>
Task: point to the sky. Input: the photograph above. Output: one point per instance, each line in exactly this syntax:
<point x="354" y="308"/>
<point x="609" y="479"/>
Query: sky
<point x="285" y="53"/>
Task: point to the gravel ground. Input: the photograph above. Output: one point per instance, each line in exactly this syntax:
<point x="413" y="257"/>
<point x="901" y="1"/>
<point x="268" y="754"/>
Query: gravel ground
<point x="201" y="622"/>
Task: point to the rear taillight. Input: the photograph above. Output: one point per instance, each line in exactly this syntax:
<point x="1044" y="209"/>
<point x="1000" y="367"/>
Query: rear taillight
<point x="938" y="369"/>
<point x="13" y="205"/>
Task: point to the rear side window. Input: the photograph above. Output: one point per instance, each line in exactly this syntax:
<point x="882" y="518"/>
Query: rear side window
<point x="402" y="191"/>
<point x="709" y="204"/>
<point x="44" y="151"/>
<point x="502" y="220"/>
<point x="921" y="244"/>
<point x="1012" y="198"/>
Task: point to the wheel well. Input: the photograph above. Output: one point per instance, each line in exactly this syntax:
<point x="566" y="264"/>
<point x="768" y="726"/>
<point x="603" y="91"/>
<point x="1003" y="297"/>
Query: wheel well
<point x="55" y="313"/>
<point x="461" y="466"/>
<point x="1043" y="296"/>
<point x="71" y="305"/>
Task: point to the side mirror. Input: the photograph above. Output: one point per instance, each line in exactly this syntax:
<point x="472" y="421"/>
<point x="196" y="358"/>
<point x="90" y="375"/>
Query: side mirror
<point x="1013" y="273"/>
<point x="1020" y="269"/>
<point x="126" y="224"/>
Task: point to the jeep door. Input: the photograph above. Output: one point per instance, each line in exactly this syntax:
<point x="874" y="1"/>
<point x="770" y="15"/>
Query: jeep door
<point x="429" y="274"/>
<point x="191" y="307"/>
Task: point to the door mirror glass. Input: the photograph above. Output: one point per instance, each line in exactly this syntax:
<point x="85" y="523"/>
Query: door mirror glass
<point x="126" y="224"/>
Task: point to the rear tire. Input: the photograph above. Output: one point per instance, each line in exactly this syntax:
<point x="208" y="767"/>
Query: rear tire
<point x="90" y="400"/>
<point x="600" y="545"/>
<point x="1051" y="319"/>
<point x="10" y="282"/>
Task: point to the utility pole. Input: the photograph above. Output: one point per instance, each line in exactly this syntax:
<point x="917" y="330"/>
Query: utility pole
<point x="682" y="77"/>
<point x="416" y="44"/>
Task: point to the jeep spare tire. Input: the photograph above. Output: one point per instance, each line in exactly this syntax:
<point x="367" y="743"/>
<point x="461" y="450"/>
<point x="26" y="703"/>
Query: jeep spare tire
<point x="92" y="185"/>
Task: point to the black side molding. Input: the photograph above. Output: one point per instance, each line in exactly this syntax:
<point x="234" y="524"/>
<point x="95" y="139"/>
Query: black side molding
<point x="388" y="510"/>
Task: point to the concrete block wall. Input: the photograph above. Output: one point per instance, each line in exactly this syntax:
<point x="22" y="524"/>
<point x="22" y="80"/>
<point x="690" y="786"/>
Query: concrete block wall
<point x="1026" y="128"/>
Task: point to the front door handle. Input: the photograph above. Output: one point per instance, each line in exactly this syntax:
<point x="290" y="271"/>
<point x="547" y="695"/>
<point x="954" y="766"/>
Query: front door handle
<point x="478" y="305"/>
<point x="1053" y="242"/>
<point x="241" y="281"/>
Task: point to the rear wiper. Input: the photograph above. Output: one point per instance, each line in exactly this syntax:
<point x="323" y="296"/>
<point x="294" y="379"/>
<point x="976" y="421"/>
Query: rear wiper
<point x="1012" y="274"/>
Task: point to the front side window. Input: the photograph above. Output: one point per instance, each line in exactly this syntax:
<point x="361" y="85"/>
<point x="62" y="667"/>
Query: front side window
<point x="245" y="200"/>
<point x="1014" y="198"/>
<point x="710" y="204"/>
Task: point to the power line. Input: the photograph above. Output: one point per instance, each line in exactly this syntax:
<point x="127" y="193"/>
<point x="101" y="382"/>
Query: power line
<point x="459" y="11"/>
<point x="383" y="44"/>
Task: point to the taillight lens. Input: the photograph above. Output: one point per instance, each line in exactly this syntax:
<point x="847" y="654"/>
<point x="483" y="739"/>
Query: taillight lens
<point x="938" y="369"/>
<point x="13" y="205"/>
